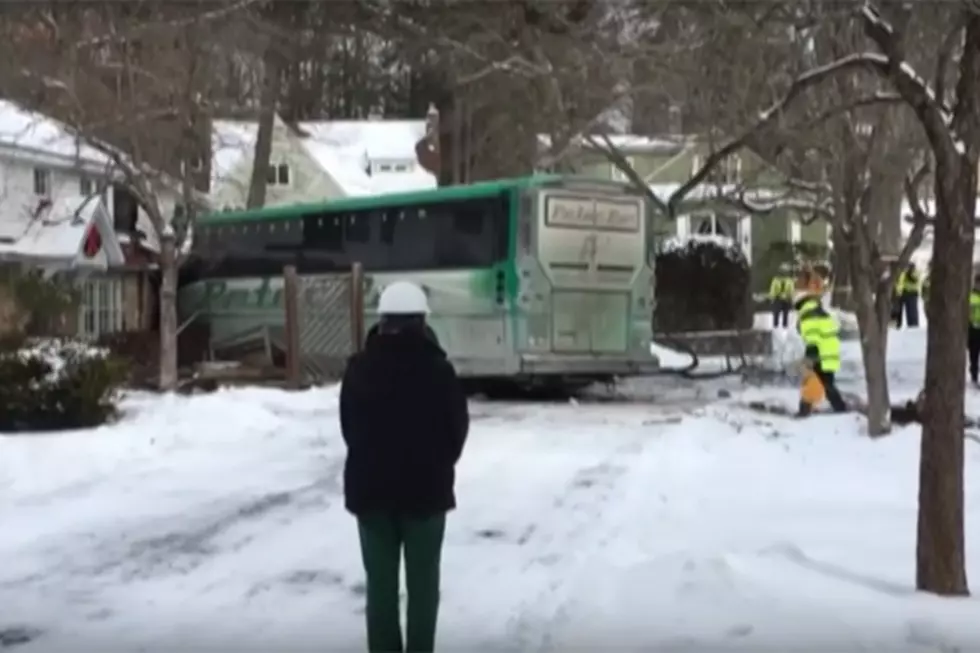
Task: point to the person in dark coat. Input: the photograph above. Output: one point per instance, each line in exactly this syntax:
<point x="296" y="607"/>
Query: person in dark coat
<point x="404" y="419"/>
<point x="373" y="331"/>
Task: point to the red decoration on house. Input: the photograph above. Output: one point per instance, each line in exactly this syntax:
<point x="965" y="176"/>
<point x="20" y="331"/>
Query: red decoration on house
<point x="93" y="242"/>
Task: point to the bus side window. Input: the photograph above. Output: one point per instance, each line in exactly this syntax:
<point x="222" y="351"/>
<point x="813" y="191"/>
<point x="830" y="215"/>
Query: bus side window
<point x="389" y="220"/>
<point x="467" y="219"/>
<point x="413" y="244"/>
<point x="283" y="241"/>
<point x="359" y="239"/>
<point x="323" y="232"/>
<point x="472" y="233"/>
<point x="323" y="244"/>
<point x="357" y="227"/>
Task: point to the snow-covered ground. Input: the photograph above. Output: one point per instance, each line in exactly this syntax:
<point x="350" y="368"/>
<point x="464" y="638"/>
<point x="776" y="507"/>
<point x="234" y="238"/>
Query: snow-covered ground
<point x="689" y="523"/>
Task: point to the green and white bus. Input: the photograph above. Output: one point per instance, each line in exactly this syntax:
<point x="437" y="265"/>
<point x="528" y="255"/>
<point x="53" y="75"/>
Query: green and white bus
<point x="543" y="280"/>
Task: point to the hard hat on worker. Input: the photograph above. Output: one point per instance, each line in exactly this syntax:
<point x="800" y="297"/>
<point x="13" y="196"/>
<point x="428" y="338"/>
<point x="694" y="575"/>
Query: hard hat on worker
<point x="403" y="298"/>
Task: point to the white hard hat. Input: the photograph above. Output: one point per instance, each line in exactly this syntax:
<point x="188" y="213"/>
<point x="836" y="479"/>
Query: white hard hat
<point x="403" y="298"/>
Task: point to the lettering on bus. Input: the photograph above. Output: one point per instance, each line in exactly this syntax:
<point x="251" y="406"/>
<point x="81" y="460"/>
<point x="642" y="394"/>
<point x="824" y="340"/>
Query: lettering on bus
<point x="604" y="215"/>
<point x="254" y="294"/>
<point x="264" y="293"/>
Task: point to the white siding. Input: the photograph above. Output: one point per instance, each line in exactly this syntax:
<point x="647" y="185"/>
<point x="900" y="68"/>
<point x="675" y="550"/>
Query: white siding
<point x="308" y="182"/>
<point x="18" y="200"/>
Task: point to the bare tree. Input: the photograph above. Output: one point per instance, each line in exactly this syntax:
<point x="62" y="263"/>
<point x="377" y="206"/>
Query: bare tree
<point x="135" y="85"/>
<point x="948" y="111"/>
<point x="950" y="118"/>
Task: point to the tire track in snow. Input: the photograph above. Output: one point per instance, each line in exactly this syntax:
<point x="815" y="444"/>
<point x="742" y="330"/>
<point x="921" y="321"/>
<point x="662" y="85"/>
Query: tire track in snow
<point x="184" y="544"/>
<point x="577" y="534"/>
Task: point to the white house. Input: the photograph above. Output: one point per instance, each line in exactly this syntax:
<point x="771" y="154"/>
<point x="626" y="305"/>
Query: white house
<point x="61" y="212"/>
<point x="317" y="161"/>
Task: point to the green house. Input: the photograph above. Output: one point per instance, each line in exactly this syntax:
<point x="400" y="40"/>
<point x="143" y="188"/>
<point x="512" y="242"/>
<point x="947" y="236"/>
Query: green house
<point x="666" y="163"/>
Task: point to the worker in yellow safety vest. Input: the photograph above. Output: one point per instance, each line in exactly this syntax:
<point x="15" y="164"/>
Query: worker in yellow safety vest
<point x="781" y="296"/>
<point x="973" y="338"/>
<point x="821" y="337"/>
<point x="907" y="291"/>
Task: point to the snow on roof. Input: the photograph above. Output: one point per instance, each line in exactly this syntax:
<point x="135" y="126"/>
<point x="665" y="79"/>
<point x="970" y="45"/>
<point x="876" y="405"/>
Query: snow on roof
<point x="57" y="233"/>
<point x="343" y="149"/>
<point x="711" y="191"/>
<point x="378" y="139"/>
<point x="629" y="142"/>
<point x="349" y="173"/>
<point x="231" y="141"/>
<point x="30" y="130"/>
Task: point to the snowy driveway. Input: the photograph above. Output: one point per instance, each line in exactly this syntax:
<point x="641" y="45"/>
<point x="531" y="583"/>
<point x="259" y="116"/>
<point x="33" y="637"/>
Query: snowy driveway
<point x="218" y="520"/>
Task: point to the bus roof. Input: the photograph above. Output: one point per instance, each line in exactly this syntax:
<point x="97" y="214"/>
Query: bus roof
<point x="445" y="193"/>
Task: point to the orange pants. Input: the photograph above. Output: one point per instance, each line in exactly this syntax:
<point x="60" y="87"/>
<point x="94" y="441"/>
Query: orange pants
<point x="811" y="389"/>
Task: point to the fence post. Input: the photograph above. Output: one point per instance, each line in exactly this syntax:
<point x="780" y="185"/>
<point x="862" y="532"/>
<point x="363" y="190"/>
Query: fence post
<point x="290" y="291"/>
<point x="357" y="306"/>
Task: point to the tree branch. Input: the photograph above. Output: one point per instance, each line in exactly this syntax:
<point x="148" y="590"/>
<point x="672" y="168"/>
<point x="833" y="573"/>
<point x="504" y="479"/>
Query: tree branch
<point x="943" y="58"/>
<point x="814" y="208"/>
<point x="177" y="23"/>
<point x="934" y="116"/>
<point x="772" y="115"/>
<point x="766" y="120"/>
<point x="616" y="157"/>
<point x="919" y="218"/>
<point x="871" y="100"/>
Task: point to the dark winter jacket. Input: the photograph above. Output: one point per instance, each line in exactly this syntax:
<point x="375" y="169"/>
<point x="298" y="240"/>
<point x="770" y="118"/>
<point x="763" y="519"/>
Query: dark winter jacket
<point x="404" y="418"/>
<point x="376" y="329"/>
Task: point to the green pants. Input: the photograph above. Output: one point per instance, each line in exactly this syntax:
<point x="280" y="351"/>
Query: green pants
<point x="383" y="537"/>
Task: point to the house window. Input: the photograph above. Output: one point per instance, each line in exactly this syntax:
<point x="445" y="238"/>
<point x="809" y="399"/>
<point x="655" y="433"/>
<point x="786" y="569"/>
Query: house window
<point x="42" y="182"/>
<point x="100" y="311"/>
<point x="384" y="167"/>
<point x="85" y="186"/>
<point x="277" y="175"/>
<point x="711" y="224"/>
<point x="403" y="167"/>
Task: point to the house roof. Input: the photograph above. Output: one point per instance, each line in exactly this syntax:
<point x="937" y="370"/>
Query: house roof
<point x="29" y="130"/>
<point x="349" y="173"/>
<point x="703" y="192"/>
<point x="57" y="234"/>
<point x="343" y="149"/>
<point x="629" y="143"/>
<point x="378" y="140"/>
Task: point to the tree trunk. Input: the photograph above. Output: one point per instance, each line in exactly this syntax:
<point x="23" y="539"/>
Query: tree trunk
<point x="263" y="139"/>
<point x="940" y="546"/>
<point x="873" y="327"/>
<point x="168" y="310"/>
<point x="843" y="291"/>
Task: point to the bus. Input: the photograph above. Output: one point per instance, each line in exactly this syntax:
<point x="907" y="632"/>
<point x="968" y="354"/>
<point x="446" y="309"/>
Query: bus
<point x="538" y="281"/>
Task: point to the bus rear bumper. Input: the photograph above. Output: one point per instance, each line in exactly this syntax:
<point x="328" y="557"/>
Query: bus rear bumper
<point x="588" y="365"/>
